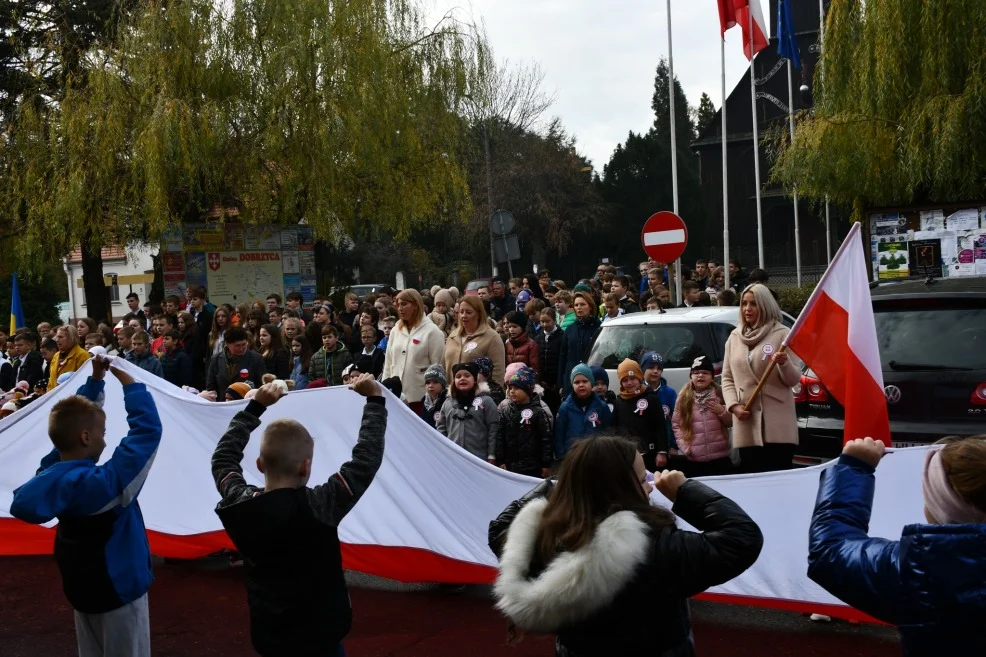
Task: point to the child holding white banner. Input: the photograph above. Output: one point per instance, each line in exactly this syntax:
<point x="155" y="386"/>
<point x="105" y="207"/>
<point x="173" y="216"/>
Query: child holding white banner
<point x="930" y="583"/>
<point x="287" y="532"/>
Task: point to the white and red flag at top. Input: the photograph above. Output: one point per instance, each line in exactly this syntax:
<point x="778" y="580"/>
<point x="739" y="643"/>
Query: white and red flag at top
<point x="835" y="335"/>
<point x="738" y="12"/>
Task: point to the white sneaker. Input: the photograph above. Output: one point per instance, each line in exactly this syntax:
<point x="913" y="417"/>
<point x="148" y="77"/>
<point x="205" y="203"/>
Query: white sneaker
<point x="820" y="618"/>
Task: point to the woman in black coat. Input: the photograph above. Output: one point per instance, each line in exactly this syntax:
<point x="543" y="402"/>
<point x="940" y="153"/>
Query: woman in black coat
<point x="577" y="339"/>
<point x="609" y="574"/>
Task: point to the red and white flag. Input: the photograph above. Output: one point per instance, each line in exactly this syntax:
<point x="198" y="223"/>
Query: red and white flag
<point x="738" y="12"/>
<point x="835" y="335"/>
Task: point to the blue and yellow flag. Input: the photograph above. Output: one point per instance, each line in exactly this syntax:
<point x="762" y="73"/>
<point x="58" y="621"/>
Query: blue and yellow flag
<point x="16" y="309"/>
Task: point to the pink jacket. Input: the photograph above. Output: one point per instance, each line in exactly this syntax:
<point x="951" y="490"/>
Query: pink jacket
<point x="710" y="440"/>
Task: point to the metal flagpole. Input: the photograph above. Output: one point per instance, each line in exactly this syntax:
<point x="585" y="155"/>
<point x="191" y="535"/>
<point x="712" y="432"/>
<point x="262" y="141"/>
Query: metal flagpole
<point x="674" y="153"/>
<point x="725" y="186"/>
<point x="821" y="45"/>
<point x="756" y="145"/>
<point x="797" y="224"/>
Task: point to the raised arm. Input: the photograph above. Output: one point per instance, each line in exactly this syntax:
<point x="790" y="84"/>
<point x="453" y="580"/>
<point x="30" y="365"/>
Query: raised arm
<point x="335" y="498"/>
<point x="226" y="469"/>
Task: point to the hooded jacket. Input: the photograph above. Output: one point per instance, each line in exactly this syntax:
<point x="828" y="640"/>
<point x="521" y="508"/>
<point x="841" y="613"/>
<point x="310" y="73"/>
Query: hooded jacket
<point x="523" y="350"/>
<point x="100" y="543"/>
<point x="575" y="421"/>
<point x="472" y="426"/>
<point x="147" y="362"/>
<point x="600" y="599"/>
<point x="931" y="583"/>
<point x="524" y="443"/>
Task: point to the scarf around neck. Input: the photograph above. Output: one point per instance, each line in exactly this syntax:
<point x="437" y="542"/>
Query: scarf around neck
<point x="752" y="336"/>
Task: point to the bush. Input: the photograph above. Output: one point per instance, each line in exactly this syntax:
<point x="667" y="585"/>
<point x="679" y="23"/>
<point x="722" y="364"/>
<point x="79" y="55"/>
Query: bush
<point x="793" y="299"/>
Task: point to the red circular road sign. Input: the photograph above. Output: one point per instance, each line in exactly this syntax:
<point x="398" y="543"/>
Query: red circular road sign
<point x="664" y="237"/>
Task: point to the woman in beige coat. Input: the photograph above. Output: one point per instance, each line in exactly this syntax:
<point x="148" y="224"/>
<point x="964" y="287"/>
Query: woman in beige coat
<point x="473" y="338"/>
<point x="767" y="434"/>
<point x="415" y="343"/>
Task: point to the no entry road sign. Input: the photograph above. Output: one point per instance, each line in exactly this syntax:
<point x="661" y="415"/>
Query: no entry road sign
<point x="664" y="237"/>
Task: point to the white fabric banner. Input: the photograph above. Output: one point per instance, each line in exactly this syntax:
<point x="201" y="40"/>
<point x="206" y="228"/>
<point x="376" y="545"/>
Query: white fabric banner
<point x="429" y="494"/>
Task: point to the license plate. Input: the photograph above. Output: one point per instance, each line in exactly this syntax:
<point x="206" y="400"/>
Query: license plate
<point x="898" y="443"/>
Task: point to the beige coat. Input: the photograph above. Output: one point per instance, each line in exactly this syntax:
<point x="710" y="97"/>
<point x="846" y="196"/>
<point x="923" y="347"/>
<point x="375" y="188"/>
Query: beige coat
<point x="466" y="348"/>
<point x="409" y="355"/>
<point x="772" y="417"/>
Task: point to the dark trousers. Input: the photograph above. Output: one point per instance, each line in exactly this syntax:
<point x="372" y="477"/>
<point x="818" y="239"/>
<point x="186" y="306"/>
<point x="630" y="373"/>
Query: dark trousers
<point x="713" y="468"/>
<point x="769" y="458"/>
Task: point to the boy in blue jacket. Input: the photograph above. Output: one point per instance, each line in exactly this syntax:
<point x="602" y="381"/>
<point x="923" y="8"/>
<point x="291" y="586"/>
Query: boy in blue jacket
<point x="582" y="413"/>
<point x="100" y="543"/>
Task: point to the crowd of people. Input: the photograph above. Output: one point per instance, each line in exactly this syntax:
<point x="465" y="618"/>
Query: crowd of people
<point x="501" y="374"/>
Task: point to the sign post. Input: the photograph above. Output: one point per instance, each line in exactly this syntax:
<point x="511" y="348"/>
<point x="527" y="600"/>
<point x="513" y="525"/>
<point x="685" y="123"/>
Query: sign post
<point x="664" y="237"/>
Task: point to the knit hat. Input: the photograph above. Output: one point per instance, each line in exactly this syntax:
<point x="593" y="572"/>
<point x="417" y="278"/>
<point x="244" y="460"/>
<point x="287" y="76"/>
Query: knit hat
<point x="524" y="379"/>
<point x="512" y="369"/>
<point x="436" y="373"/>
<point x="238" y="390"/>
<point x="472" y="368"/>
<point x="435" y="290"/>
<point x="522" y="298"/>
<point x="650" y="359"/>
<point x="629" y="368"/>
<point x="584" y="370"/>
<point x="454" y="291"/>
<point x="944" y="504"/>
<point x="394" y="385"/>
<point x="485" y="365"/>
<point x="581" y="287"/>
<point x="599" y="374"/>
<point x="703" y="364"/>
<point x="444" y="296"/>
<point x="516" y="317"/>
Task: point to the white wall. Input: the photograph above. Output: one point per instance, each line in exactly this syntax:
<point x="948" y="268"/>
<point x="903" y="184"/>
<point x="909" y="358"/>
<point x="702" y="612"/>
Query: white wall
<point x="138" y="261"/>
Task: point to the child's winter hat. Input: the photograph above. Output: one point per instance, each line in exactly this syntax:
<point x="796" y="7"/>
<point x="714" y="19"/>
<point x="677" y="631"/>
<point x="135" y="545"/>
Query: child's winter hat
<point x="454" y="291"/>
<point x="434" y="290"/>
<point x="444" y="296"/>
<point x="584" y="370"/>
<point x="516" y="317"/>
<point x="394" y="385"/>
<point x="599" y="374"/>
<point x="524" y="379"/>
<point x="522" y="298"/>
<point x="436" y="373"/>
<point x="511" y="370"/>
<point x="472" y="368"/>
<point x="581" y="287"/>
<point x="485" y="365"/>
<point x="238" y="390"/>
<point x="650" y="359"/>
<point x="629" y="368"/>
<point x="703" y="364"/>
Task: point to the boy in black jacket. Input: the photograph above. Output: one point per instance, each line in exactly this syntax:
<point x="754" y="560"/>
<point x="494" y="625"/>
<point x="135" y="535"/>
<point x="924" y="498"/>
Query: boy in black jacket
<point x="549" y="350"/>
<point x="286" y="532"/>
<point x="639" y="414"/>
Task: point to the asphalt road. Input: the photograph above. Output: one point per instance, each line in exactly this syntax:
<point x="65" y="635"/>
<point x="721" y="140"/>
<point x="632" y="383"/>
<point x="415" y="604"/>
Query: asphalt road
<point x="198" y="609"/>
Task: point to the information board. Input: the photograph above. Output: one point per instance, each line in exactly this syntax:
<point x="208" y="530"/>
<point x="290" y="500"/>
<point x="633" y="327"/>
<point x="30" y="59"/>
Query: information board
<point x="928" y="243"/>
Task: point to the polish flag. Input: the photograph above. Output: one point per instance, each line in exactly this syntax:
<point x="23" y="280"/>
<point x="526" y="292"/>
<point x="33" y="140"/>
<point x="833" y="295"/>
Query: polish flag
<point x="835" y="335"/>
<point x="737" y="12"/>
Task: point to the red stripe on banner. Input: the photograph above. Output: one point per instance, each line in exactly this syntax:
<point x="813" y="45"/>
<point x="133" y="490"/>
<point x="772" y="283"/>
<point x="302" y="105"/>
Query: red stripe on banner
<point x="822" y="343"/>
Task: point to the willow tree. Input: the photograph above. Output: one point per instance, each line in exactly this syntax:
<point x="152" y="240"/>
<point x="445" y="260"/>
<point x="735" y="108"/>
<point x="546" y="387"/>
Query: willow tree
<point x="338" y="113"/>
<point x="900" y="113"/>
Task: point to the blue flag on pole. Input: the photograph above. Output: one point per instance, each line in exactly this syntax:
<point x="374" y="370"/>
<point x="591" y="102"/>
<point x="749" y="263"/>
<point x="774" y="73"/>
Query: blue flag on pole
<point x="16" y="310"/>
<point x="787" y="42"/>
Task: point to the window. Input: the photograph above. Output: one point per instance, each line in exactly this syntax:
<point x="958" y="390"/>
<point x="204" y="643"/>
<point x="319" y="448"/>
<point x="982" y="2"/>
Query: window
<point x="931" y="334"/>
<point x="113" y="289"/>
<point x="679" y="344"/>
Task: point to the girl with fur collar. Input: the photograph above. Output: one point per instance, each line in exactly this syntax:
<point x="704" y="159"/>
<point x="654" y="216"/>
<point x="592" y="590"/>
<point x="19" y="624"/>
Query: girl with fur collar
<point x="594" y="563"/>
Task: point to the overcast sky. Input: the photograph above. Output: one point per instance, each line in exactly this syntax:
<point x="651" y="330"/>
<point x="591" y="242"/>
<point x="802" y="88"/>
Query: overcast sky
<point x="599" y="58"/>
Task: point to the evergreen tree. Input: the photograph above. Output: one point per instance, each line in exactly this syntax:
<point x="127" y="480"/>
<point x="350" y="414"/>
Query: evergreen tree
<point x="705" y="114"/>
<point x="900" y="106"/>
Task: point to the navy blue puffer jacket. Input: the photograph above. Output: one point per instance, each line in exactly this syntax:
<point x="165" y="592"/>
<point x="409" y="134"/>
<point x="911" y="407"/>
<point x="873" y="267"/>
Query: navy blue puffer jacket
<point x="931" y="583"/>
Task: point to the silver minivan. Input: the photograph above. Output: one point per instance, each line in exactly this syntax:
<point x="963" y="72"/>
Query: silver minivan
<point x="680" y="335"/>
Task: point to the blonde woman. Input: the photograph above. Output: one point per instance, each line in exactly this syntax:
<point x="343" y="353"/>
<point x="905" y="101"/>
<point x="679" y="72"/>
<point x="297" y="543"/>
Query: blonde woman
<point x="70" y="356"/>
<point x="414" y="344"/>
<point x="474" y="337"/>
<point x="767" y="434"/>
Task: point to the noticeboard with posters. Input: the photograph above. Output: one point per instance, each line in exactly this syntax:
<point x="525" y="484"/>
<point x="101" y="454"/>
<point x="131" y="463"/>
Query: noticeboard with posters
<point x="928" y="243"/>
<point x="239" y="263"/>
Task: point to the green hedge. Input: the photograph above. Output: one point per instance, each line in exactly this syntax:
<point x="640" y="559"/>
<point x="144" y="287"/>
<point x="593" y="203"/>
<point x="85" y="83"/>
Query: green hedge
<point x="793" y="299"/>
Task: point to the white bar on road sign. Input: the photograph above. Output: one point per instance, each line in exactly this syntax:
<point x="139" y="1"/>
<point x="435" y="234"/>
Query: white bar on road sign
<point x="660" y="237"/>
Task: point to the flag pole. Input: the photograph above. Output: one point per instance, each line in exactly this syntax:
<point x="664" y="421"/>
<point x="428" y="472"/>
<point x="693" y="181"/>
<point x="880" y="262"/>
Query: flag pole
<point x="725" y="185"/>
<point x="797" y="223"/>
<point x="674" y="152"/>
<point x="821" y="46"/>
<point x="756" y="143"/>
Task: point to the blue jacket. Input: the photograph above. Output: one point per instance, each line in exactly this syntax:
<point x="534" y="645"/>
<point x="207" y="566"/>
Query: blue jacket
<point x="931" y="583"/>
<point x="572" y="422"/>
<point x="574" y="345"/>
<point x="100" y="543"/>
<point x="669" y="397"/>
<point x="148" y="362"/>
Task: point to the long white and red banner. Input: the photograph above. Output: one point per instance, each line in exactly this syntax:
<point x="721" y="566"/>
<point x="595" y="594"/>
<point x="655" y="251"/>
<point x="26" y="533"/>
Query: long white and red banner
<point x="425" y="517"/>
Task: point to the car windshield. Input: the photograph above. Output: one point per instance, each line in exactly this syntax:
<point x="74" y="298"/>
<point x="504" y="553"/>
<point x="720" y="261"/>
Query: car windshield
<point x="931" y="334"/>
<point x="679" y="344"/>
<point x="475" y="285"/>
